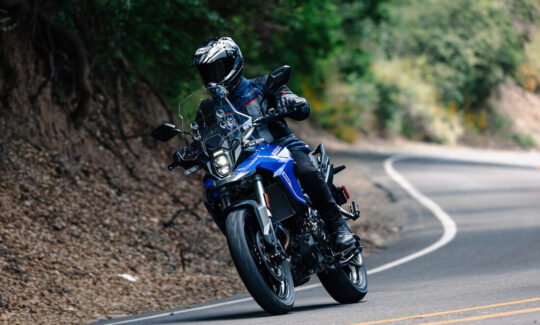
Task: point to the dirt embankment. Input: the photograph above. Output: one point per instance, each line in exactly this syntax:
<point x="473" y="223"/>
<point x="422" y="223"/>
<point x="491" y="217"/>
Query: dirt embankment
<point x="521" y="107"/>
<point x="81" y="203"/>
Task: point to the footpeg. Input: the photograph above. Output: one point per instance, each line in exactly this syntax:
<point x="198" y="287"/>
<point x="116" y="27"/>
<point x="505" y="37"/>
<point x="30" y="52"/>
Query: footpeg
<point x="354" y="209"/>
<point x="353" y="213"/>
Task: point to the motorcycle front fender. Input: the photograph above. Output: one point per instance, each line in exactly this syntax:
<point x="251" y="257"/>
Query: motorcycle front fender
<point x="263" y="217"/>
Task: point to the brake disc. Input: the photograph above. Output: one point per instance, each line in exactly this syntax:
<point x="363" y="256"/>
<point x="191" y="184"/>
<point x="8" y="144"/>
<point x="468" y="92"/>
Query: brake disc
<point x="276" y="271"/>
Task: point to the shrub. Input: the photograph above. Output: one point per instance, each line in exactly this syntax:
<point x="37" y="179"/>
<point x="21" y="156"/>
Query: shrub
<point x="407" y="105"/>
<point x="470" y="46"/>
<point x="528" y="74"/>
<point x="524" y="140"/>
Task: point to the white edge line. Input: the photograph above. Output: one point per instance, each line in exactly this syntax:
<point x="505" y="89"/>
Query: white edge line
<point x="449" y="226"/>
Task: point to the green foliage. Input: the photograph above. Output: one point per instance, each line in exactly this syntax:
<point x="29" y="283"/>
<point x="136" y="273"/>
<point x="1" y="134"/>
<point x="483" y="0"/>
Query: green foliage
<point x="415" y="68"/>
<point x="428" y="60"/>
<point x="501" y="127"/>
<point x="524" y="140"/>
<point x="159" y="39"/>
<point x="5" y="25"/>
<point x="470" y="46"/>
<point x="528" y="74"/>
<point x="408" y="106"/>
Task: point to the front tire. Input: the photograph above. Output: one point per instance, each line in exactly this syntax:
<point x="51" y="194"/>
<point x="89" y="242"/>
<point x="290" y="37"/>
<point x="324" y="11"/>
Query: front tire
<point x="244" y="240"/>
<point x="347" y="284"/>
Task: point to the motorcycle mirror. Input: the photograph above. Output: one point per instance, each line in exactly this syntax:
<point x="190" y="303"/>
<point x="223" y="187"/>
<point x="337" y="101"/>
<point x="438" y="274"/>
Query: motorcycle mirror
<point x="277" y="78"/>
<point x="165" y="132"/>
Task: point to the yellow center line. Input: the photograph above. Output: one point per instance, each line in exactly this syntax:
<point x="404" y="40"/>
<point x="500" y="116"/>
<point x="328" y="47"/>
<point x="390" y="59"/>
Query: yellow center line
<point x="450" y="311"/>
<point x="473" y="318"/>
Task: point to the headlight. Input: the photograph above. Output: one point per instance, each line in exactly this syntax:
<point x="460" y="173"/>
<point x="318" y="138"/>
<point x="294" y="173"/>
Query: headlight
<point x="224" y="170"/>
<point x="221" y="161"/>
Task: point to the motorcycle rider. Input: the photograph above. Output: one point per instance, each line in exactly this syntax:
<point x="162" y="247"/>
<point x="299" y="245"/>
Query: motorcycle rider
<point x="220" y="61"/>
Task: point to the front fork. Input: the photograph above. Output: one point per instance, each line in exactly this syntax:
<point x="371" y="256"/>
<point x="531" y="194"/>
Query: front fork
<point x="264" y="214"/>
<point x="264" y="217"/>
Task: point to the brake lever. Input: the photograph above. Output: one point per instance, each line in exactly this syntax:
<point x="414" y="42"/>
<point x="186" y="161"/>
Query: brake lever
<point x="263" y="119"/>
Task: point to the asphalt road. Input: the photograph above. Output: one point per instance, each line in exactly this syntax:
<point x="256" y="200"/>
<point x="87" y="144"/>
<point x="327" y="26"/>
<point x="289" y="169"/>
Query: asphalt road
<point x="487" y="272"/>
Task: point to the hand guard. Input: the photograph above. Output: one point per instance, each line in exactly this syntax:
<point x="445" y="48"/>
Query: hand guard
<point x="182" y="157"/>
<point x="181" y="154"/>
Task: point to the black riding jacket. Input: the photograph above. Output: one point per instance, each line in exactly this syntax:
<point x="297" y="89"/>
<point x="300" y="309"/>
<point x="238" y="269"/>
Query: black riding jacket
<point x="247" y="99"/>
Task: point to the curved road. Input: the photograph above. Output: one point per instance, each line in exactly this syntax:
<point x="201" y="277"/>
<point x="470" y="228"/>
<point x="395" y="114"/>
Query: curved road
<point x="488" y="273"/>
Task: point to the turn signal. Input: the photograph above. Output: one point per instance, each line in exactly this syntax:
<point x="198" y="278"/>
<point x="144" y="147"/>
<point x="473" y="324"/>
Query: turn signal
<point x="267" y="199"/>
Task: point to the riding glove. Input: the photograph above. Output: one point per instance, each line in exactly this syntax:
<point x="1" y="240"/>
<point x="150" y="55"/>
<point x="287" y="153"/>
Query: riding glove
<point x="289" y="104"/>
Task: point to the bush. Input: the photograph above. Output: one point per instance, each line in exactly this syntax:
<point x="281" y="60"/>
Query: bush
<point x="433" y="57"/>
<point x="528" y="74"/>
<point x="524" y="140"/>
<point x="343" y="105"/>
<point x="470" y="46"/>
<point x="408" y="106"/>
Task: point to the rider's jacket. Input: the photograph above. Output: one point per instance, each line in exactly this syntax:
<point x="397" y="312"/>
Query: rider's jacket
<point x="247" y="99"/>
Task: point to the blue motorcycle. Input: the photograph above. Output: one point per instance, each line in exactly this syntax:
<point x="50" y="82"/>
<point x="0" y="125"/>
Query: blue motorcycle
<point x="276" y="238"/>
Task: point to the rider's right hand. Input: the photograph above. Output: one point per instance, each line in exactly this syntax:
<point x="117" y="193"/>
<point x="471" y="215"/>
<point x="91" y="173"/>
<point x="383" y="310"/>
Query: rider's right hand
<point x="178" y="159"/>
<point x="185" y="157"/>
<point x="181" y="154"/>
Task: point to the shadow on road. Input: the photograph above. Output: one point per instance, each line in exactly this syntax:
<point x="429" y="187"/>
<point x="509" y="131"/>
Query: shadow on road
<point x="238" y="315"/>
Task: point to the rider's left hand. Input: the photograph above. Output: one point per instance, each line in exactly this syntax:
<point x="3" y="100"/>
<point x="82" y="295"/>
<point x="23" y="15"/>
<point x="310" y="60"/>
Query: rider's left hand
<point x="285" y="105"/>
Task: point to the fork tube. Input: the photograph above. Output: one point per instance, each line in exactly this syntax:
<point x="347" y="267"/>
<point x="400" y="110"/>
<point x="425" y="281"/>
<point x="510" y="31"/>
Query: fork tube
<point x="259" y="189"/>
<point x="264" y="213"/>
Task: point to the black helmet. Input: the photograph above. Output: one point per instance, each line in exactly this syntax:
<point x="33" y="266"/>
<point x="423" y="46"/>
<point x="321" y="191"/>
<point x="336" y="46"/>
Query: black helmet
<point x="219" y="60"/>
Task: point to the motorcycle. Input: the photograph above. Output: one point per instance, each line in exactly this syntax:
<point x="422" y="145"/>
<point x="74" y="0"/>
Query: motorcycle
<point x="276" y="238"/>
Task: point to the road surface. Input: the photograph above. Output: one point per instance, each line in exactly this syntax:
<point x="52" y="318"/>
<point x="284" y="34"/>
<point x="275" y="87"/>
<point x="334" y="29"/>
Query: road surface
<point x="472" y="236"/>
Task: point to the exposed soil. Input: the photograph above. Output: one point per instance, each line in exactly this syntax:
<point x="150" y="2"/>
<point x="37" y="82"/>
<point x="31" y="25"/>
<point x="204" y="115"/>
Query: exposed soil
<point x="521" y="107"/>
<point x="83" y="203"/>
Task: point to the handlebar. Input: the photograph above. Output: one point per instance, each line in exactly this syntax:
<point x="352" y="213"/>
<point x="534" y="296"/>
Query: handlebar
<point x="264" y="119"/>
<point x="245" y="143"/>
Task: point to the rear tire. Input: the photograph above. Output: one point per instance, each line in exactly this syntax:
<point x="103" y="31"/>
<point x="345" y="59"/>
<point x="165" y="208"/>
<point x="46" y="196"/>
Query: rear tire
<point x="275" y="297"/>
<point x="347" y="284"/>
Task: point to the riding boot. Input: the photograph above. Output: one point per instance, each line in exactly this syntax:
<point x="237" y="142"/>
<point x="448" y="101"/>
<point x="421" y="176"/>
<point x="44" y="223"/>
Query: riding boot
<point x="322" y="199"/>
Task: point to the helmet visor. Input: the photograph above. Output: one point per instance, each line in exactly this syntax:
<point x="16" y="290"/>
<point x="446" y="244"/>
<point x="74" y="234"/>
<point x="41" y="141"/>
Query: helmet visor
<point x="215" y="71"/>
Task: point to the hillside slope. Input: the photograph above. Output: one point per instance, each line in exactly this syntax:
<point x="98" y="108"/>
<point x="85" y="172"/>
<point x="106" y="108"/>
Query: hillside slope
<point x="521" y="108"/>
<point x="84" y="202"/>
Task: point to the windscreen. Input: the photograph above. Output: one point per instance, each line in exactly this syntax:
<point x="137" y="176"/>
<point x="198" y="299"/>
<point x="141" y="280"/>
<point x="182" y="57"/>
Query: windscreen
<point x="216" y="121"/>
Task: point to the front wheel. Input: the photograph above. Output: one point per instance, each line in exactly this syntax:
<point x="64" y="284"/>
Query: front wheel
<point x="347" y="284"/>
<point x="268" y="282"/>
